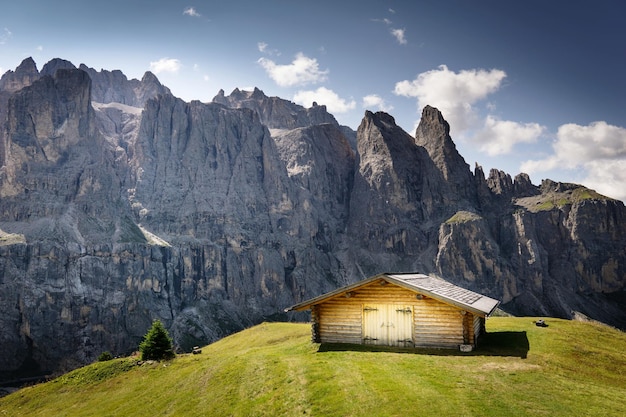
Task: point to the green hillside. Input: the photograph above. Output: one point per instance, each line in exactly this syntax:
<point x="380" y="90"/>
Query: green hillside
<point x="569" y="368"/>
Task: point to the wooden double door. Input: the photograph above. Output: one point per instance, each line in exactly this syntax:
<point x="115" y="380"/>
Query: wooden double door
<point x="388" y="325"/>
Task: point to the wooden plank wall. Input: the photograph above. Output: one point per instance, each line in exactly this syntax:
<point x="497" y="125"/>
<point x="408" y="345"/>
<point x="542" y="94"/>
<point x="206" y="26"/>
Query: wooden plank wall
<point x="437" y="324"/>
<point x="339" y="320"/>
<point x="479" y="328"/>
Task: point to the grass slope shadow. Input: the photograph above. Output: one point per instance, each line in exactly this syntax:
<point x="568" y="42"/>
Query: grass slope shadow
<point x="490" y="344"/>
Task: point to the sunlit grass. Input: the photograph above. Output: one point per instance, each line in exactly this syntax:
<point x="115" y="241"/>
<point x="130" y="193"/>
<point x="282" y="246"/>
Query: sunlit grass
<point x="566" y="369"/>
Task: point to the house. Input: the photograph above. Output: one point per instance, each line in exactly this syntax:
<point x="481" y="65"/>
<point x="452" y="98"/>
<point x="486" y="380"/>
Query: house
<point x="400" y="309"/>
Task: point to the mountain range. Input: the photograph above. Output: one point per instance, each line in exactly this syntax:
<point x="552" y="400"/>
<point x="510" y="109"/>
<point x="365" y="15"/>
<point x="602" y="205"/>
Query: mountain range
<point x="121" y="204"/>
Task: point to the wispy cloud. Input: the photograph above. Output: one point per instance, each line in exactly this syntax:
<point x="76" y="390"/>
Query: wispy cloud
<point x="324" y="96"/>
<point x="165" y="65"/>
<point x="375" y="102"/>
<point x="599" y="149"/>
<point x="383" y="20"/>
<point x="399" y="34"/>
<point x="264" y="48"/>
<point x="190" y="11"/>
<point x="301" y="71"/>
<point x="5" y="36"/>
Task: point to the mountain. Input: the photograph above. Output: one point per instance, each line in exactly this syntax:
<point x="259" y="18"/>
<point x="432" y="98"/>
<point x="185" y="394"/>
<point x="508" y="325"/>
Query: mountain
<point x="120" y="204"/>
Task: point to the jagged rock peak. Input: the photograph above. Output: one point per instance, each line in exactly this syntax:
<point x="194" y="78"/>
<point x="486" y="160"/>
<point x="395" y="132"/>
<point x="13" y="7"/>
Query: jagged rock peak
<point x="257" y="94"/>
<point x="23" y="76"/>
<point x="500" y="182"/>
<point x="275" y="112"/>
<point x="523" y="187"/>
<point x="115" y="87"/>
<point x="381" y="139"/>
<point x="388" y="186"/>
<point x="479" y="173"/>
<point x="549" y="185"/>
<point x="149" y="77"/>
<point x="27" y="66"/>
<point x="64" y="95"/>
<point x="378" y="134"/>
<point x="51" y="67"/>
<point x="380" y="118"/>
<point x="432" y="121"/>
<point x="239" y="95"/>
<point x="433" y="133"/>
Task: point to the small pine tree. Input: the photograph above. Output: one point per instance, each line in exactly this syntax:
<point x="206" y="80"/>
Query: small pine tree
<point x="156" y="344"/>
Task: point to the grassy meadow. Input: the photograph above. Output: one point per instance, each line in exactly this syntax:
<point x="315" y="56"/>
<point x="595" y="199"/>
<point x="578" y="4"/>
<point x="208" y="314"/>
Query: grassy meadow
<point x="569" y="368"/>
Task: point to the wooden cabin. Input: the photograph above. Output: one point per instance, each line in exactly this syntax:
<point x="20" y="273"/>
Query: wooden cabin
<point x="403" y="309"/>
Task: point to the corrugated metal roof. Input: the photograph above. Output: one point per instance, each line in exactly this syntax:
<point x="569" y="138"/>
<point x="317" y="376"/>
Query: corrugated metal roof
<point x="446" y="291"/>
<point x="432" y="286"/>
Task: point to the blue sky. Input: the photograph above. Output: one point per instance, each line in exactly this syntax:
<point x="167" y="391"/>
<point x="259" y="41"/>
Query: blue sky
<point x="537" y="86"/>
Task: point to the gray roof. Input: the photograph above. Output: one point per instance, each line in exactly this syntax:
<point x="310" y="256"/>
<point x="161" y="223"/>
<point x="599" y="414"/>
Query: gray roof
<point x="431" y="286"/>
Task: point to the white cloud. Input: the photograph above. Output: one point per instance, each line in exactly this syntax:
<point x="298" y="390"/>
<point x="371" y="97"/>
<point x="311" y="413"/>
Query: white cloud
<point x="599" y="149"/>
<point x="39" y="48"/>
<point x="498" y="137"/>
<point x="383" y="20"/>
<point x="5" y="36"/>
<point x="302" y="70"/>
<point x="399" y="35"/>
<point x="374" y="101"/>
<point x="165" y="65"/>
<point x="453" y="93"/>
<point x="324" y="96"/>
<point x="264" y="48"/>
<point x="607" y="177"/>
<point x="599" y="140"/>
<point x="190" y="11"/>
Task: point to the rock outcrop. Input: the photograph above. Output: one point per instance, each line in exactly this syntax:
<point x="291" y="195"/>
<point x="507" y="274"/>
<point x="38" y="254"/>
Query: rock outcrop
<point x="114" y="87"/>
<point x="23" y="76"/>
<point x="279" y="114"/>
<point x="120" y="203"/>
<point x="387" y="209"/>
<point x="276" y="113"/>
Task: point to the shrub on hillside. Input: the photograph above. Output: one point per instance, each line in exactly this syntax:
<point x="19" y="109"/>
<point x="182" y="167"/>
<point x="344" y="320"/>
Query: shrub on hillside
<point x="105" y="356"/>
<point x="156" y="344"/>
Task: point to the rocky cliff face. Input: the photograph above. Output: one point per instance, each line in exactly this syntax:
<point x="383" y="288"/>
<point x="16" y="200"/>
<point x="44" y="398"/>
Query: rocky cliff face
<point x="275" y="112"/>
<point x="114" y="87"/>
<point x="120" y="203"/>
<point x="279" y="114"/>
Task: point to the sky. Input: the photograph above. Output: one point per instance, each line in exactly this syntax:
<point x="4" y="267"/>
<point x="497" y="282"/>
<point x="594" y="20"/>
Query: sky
<point x="534" y="86"/>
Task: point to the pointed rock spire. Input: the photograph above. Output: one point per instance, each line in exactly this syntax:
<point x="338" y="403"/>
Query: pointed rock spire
<point x="24" y="75"/>
<point x="433" y="133"/>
